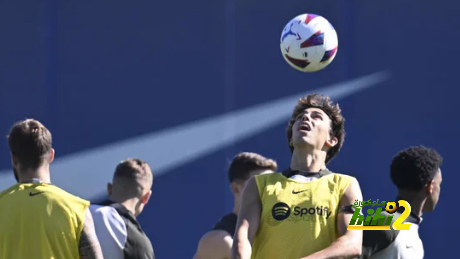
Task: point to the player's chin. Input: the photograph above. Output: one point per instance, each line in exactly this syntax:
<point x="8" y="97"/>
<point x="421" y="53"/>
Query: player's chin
<point x="429" y="207"/>
<point x="304" y="140"/>
<point x="303" y="132"/>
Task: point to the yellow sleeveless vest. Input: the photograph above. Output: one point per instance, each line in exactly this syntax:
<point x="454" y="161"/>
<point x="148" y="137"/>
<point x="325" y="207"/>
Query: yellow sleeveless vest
<point x="298" y="218"/>
<point x="40" y="221"/>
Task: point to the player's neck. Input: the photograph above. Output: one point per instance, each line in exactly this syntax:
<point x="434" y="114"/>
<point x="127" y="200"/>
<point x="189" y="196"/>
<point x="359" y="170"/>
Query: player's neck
<point x="416" y="201"/>
<point x="308" y="160"/>
<point x="130" y="205"/>
<point x="42" y="174"/>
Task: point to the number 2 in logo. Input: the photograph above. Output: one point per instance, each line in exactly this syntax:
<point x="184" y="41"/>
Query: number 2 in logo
<point x="397" y="225"/>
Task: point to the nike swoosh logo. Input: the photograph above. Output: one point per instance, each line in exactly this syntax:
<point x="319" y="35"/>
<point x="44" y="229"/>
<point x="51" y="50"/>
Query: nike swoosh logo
<point x="33" y="194"/>
<point x="197" y="139"/>
<point x="297" y="192"/>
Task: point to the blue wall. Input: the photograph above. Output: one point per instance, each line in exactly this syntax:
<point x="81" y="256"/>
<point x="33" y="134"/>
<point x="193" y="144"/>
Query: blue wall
<point x="97" y="72"/>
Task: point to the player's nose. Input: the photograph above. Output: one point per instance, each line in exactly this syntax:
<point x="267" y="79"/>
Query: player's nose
<point x="306" y="117"/>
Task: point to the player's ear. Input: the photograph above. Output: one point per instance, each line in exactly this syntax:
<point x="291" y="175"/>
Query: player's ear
<point x="332" y="141"/>
<point x="109" y="189"/>
<point x="51" y="157"/>
<point x="429" y="187"/>
<point x="145" y="199"/>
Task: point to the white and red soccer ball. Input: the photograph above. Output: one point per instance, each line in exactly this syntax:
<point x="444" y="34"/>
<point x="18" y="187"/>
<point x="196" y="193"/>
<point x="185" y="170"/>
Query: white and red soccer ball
<point x="309" y="43"/>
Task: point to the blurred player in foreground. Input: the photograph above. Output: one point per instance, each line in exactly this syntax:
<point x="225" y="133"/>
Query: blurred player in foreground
<point x="416" y="173"/>
<point x="217" y="243"/>
<point x="38" y="220"/>
<point x="303" y="212"/>
<point x="117" y="228"/>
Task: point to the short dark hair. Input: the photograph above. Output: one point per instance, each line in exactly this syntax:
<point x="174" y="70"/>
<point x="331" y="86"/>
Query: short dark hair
<point x="414" y="167"/>
<point x="331" y="109"/>
<point x="133" y="176"/>
<point x="246" y="162"/>
<point x="30" y="142"/>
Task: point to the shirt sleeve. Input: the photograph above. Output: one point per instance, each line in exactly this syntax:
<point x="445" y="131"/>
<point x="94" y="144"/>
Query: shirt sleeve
<point x="376" y="240"/>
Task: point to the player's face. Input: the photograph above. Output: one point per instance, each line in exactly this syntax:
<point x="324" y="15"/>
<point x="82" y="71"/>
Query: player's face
<point x="435" y="188"/>
<point x="312" y="128"/>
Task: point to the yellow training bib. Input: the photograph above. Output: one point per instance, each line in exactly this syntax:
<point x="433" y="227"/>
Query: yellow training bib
<point x="40" y="221"/>
<point x="298" y="218"/>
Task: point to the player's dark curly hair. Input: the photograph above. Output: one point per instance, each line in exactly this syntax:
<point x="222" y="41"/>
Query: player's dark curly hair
<point x="246" y="162"/>
<point x="414" y="167"/>
<point x="331" y="109"/>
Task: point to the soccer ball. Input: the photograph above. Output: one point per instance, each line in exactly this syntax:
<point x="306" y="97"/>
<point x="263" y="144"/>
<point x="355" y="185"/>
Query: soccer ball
<point x="309" y="43"/>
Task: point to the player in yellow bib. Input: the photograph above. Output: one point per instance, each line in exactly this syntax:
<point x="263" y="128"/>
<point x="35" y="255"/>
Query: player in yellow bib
<point x="303" y="212"/>
<point x="37" y="219"/>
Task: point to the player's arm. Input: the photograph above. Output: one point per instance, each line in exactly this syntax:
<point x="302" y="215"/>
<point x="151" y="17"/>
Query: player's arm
<point x="89" y="246"/>
<point x="349" y="243"/>
<point x="215" y="244"/>
<point x="248" y="221"/>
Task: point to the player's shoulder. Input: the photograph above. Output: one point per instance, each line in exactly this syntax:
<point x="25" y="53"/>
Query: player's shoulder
<point x="380" y="237"/>
<point x="58" y="190"/>
<point x="338" y="175"/>
<point x="342" y="182"/>
<point x="270" y="177"/>
<point x="216" y="239"/>
<point x="66" y="196"/>
<point x="267" y="175"/>
<point x="375" y="241"/>
<point x="9" y="190"/>
<point x="215" y="235"/>
<point x="101" y="209"/>
<point x="108" y="217"/>
<point x="263" y="180"/>
<point x="341" y="178"/>
<point x="214" y="244"/>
